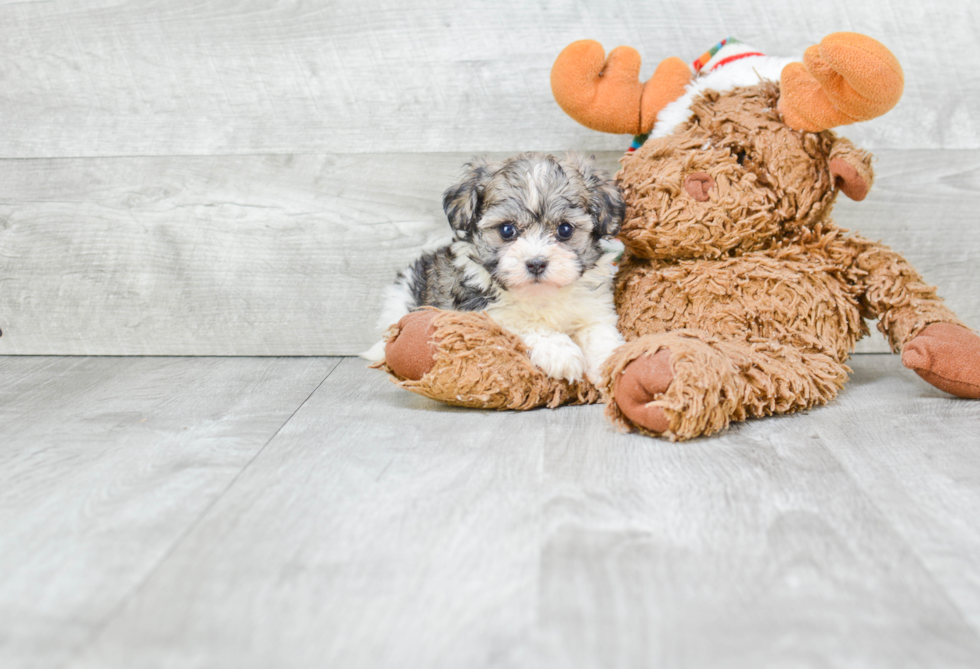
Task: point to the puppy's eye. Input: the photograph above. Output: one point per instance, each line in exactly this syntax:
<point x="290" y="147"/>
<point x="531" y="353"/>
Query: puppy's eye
<point x="565" y="230"/>
<point x="740" y="157"/>
<point x="507" y="231"/>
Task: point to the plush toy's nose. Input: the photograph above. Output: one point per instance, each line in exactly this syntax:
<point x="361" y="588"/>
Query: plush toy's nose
<point x="698" y="184"/>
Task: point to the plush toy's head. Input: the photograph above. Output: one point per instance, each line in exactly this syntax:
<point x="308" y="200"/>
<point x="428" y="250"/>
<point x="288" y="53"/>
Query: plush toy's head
<point x="741" y="155"/>
<point x="733" y="178"/>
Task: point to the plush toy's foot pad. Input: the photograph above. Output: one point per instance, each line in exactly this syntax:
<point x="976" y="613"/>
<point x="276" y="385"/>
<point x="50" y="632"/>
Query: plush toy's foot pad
<point x="948" y="357"/>
<point x="411" y="353"/>
<point x="643" y="381"/>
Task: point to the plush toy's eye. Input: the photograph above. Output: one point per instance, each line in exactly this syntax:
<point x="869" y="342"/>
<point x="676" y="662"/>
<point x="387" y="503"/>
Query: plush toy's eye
<point x="565" y="231"/>
<point x="507" y="231"/>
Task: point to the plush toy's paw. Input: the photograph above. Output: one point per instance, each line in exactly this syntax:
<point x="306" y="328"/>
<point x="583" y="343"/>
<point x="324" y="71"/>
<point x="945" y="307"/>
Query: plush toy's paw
<point x="948" y="357"/>
<point x="846" y="78"/>
<point x="645" y="380"/>
<point x="410" y="353"/>
<point x="557" y="355"/>
<point x="465" y="358"/>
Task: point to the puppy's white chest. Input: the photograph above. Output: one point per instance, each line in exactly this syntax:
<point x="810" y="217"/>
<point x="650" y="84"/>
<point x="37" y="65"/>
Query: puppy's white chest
<point x="561" y="312"/>
<point x="583" y="304"/>
<point x="570" y="333"/>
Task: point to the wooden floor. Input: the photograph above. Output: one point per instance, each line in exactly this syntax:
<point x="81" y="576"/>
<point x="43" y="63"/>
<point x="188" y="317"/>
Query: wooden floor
<point x="304" y="512"/>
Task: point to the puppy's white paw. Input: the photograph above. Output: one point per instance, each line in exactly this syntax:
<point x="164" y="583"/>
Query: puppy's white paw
<point x="598" y="343"/>
<point x="376" y="353"/>
<point x="557" y="355"/>
<point x="593" y="371"/>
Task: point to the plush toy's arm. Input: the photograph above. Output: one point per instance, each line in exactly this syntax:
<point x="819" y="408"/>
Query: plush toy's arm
<point x="895" y="294"/>
<point x="466" y="359"/>
<point x="932" y="340"/>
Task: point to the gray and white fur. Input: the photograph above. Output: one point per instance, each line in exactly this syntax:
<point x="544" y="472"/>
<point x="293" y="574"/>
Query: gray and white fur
<point x="527" y="248"/>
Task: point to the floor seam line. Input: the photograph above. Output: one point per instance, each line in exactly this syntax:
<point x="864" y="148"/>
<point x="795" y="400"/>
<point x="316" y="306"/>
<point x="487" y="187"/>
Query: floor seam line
<point x="118" y="609"/>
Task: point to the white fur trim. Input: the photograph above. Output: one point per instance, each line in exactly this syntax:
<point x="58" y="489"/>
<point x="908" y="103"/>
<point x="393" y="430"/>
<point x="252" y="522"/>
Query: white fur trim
<point x="745" y="72"/>
<point x="727" y="51"/>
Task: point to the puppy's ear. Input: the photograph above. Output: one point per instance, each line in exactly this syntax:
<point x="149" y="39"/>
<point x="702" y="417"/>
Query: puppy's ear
<point x="463" y="202"/>
<point x="605" y="200"/>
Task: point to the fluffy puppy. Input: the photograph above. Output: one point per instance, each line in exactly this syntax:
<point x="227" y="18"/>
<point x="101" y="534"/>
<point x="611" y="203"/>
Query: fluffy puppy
<point x="527" y="248"/>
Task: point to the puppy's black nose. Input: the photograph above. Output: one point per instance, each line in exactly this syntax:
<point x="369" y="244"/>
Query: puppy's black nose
<point x="537" y="266"/>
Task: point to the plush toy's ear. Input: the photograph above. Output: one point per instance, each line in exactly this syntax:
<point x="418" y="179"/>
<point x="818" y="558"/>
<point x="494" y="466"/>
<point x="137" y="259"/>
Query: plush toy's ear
<point x="463" y="201"/>
<point x="851" y="170"/>
<point x="605" y="199"/>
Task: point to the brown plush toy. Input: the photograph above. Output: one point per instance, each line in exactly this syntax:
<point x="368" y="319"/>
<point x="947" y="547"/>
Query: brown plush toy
<point x="738" y="295"/>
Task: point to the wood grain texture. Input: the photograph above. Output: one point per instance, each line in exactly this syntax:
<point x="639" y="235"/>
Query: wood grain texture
<point x="288" y="255"/>
<point x="100" y="78"/>
<point x="939" y="451"/>
<point x="105" y="464"/>
<point x="370" y="488"/>
<point x="725" y="541"/>
<point x="379" y="529"/>
<point x="221" y="256"/>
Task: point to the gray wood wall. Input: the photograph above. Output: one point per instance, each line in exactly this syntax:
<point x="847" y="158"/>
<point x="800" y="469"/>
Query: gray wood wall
<point x="243" y="178"/>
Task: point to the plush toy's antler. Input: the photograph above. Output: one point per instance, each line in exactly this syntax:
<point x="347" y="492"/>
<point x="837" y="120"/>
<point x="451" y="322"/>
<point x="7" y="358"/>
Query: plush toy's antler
<point x="847" y="78"/>
<point x="605" y="94"/>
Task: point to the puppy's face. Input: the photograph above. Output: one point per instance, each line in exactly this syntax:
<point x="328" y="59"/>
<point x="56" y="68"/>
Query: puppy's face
<point x="535" y="222"/>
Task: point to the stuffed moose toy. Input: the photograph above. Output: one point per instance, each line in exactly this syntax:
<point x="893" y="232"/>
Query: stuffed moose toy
<point x="738" y="296"/>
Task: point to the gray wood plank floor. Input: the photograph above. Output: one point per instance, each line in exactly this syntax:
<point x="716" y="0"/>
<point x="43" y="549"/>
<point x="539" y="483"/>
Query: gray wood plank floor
<point x="182" y="512"/>
<point x="106" y="463"/>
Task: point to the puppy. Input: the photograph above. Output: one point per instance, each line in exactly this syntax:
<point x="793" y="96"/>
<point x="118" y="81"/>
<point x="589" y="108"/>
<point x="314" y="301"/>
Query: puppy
<point x="528" y="249"/>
